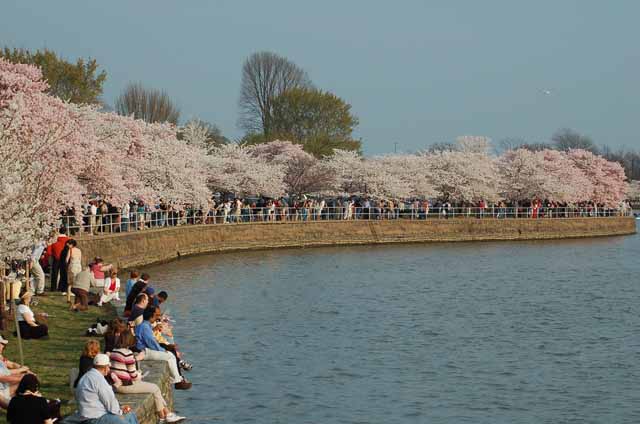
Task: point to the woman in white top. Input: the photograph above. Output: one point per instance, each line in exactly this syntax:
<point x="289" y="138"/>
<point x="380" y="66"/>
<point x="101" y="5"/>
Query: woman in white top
<point x="111" y="288"/>
<point x="29" y="328"/>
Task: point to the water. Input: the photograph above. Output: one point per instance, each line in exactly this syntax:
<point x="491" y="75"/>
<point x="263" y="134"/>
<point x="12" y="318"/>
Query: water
<point x="526" y="332"/>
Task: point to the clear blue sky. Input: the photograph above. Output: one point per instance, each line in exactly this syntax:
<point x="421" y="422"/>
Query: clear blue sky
<point x="415" y="72"/>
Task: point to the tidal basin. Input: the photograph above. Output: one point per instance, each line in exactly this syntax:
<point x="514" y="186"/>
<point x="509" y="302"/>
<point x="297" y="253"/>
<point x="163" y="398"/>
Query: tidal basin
<point x="495" y="332"/>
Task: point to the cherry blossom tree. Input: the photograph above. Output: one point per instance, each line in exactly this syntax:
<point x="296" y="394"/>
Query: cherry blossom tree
<point x="172" y="171"/>
<point x="355" y="175"/>
<point x="411" y="172"/>
<point x="607" y="178"/>
<point x="232" y="168"/>
<point x="522" y="177"/>
<point x="464" y="175"/>
<point x="40" y="149"/>
<point x="303" y="173"/>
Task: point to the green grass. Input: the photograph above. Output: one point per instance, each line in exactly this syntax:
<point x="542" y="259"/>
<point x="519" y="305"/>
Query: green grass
<point x="52" y="359"/>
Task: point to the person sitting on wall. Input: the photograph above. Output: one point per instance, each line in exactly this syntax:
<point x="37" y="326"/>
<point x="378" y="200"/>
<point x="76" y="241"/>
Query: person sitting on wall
<point x="152" y="350"/>
<point x="161" y="328"/>
<point x="97" y="403"/>
<point x="29" y="328"/>
<point x="81" y="287"/>
<point x="137" y="288"/>
<point x="150" y="291"/>
<point x="128" y="380"/>
<point x="133" y="277"/>
<point x="91" y="349"/>
<point x="135" y="318"/>
<point x="115" y="329"/>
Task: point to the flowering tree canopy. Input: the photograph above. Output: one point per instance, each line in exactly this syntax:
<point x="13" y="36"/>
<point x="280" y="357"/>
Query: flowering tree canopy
<point x="40" y="145"/>
<point x="303" y="173"/>
<point x="232" y="168"/>
<point x="52" y="153"/>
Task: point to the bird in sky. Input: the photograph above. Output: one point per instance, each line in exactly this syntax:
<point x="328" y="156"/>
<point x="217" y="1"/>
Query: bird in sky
<point x="546" y="92"/>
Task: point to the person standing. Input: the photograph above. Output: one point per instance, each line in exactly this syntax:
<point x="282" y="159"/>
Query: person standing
<point x="74" y="261"/>
<point x="96" y="401"/>
<point x="124" y="217"/>
<point x="55" y="251"/>
<point x="63" y="281"/>
<point x="93" y="217"/>
<point x="36" y="269"/>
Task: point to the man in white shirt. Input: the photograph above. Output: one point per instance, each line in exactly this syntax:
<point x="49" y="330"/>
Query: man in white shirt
<point x="97" y="403"/>
<point x="93" y="211"/>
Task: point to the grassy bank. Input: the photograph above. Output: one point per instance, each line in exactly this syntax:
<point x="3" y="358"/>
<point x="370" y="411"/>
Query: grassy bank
<point x="52" y="359"/>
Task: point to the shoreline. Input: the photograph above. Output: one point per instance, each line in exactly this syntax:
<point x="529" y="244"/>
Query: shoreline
<point x="153" y="246"/>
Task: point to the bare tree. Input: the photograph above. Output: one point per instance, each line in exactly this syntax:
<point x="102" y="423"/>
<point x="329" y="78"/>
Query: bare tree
<point x="148" y="104"/>
<point x="566" y="139"/>
<point x="265" y="76"/>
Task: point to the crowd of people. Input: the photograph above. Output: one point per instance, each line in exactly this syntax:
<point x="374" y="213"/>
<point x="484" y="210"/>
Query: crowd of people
<point x="99" y="216"/>
<point x="141" y="332"/>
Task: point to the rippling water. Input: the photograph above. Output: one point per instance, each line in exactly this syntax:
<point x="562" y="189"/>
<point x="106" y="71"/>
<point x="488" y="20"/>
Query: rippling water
<point x="537" y="332"/>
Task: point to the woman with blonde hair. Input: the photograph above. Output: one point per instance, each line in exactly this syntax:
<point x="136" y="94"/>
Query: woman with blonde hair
<point x="91" y="349"/>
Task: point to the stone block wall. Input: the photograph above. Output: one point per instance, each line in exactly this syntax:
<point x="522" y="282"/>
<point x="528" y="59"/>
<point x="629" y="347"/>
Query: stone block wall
<point x="143" y="404"/>
<point x="134" y="249"/>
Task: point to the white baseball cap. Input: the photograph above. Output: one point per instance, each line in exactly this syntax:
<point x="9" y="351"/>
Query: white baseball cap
<point x="101" y="360"/>
<point x="3" y="340"/>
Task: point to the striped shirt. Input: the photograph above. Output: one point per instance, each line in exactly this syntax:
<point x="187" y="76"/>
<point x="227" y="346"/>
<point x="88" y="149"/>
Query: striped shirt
<point x="123" y="365"/>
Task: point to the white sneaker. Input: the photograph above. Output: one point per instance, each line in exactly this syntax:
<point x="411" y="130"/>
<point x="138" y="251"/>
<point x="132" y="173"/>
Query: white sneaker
<point x="172" y="417"/>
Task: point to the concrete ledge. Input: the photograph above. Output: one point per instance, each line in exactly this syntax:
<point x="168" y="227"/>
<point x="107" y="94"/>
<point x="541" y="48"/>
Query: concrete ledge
<point x="143" y="404"/>
<point x="127" y="250"/>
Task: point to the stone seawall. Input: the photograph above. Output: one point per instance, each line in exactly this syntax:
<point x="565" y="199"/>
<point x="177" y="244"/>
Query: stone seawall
<point x="134" y="249"/>
<point x="143" y="404"/>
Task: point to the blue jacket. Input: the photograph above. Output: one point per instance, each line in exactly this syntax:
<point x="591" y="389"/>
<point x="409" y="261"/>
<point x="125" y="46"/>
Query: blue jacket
<point x="145" y="339"/>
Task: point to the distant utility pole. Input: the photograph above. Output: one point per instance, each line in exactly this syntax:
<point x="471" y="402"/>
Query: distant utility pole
<point x="395" y="147"/>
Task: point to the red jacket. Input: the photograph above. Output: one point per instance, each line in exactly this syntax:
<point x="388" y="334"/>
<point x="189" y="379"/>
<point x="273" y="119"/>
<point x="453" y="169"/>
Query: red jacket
<point x="56" y="248"/>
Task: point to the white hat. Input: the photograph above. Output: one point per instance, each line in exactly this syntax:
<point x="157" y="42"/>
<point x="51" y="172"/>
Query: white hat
<point x="101" y="360"/>
<point x="3" y="340"/>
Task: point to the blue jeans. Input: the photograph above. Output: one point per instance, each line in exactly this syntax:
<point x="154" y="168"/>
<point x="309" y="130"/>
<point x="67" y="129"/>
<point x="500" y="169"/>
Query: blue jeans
<point x="129" y="418"/>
